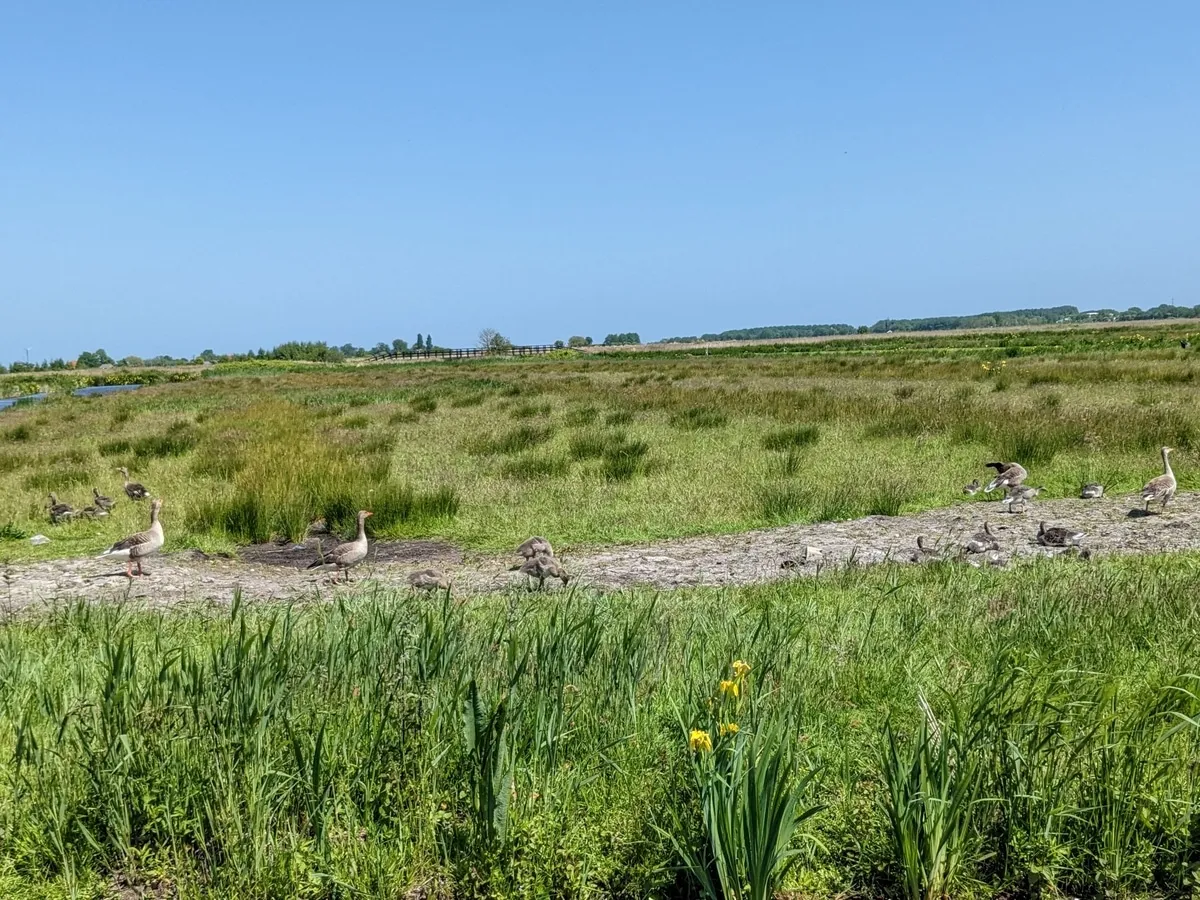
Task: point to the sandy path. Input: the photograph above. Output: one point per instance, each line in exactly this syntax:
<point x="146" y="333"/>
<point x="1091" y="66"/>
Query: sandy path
<point x="277" y="572"/>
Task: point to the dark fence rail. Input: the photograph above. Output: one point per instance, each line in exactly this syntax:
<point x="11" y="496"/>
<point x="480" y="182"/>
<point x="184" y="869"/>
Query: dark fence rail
<point x="469" y="353"/>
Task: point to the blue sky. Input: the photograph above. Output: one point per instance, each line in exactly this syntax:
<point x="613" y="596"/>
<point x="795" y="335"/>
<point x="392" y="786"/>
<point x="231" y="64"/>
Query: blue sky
<point x="179" y="176"/>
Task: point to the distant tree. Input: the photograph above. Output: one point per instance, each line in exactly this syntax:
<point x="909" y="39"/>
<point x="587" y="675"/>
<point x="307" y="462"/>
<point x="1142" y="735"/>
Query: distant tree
<point x="399" y="346"/>
<point x="208" y="356"/>
<point x="132" y="361"/>
<point x="558" y="345"/>
<point x="429" y="342"/>
<point x="90" y="360"/>
<point x="493" y="341"/>
<point x="863" y="329"/>
<point x="380" y="348"/>
<point x="579" y="341"/>
<point x="20" y="366"/>
<point x="420" y="344"/>
<point x="628" y="337"/>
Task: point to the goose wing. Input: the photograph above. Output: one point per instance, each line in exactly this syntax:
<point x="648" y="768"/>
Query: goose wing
<point x="134" y="541"/>
<point x="1158" y="485"/>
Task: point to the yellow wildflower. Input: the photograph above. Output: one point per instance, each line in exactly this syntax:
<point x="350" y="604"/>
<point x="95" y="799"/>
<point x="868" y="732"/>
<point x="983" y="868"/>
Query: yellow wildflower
<point x="741" y="668"/>
<point x="700" y="741"/>
<point x="729" y="688"/>
<point x="731" y="728"/>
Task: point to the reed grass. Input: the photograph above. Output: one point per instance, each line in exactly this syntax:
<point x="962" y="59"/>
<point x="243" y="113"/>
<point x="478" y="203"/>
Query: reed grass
<point x="920" y="732"/>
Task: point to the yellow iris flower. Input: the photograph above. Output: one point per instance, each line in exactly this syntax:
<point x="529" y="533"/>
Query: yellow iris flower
<point x="700" y="741"/>
<point x="731" y="728"/>
<point x="741" y="668"/>
<point x="729" y="688"/>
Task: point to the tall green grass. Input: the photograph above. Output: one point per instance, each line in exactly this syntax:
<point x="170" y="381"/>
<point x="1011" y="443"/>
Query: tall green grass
<point x="898" y="732"/>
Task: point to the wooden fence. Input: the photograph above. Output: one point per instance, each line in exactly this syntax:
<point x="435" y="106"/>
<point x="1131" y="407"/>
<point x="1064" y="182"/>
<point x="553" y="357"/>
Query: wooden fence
<point x="470" y="353"/>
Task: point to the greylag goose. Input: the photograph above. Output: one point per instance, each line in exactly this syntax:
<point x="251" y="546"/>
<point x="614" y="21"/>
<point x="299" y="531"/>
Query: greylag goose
<point x="1020" y="495"/>
<point x="100" y="501"/>
<point x="133" y="490"/>
<point x="1058" y="536"/>
<point x="345" y="556"/>
<point x="543" y="567"/>
<point x="972" y="488"/>
<point x="1161" y="488"/>
<point x="983" y="541"/>
<point x="429" y="580"/>
<point x="60" y="512"/>
<point x="1092" y="491"/>
<point x="1008" y="474"/>
<point x="138" y="546"/>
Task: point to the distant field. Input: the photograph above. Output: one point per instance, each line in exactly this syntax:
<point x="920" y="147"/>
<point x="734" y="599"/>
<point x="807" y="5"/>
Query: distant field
<point x="604" y="449"/>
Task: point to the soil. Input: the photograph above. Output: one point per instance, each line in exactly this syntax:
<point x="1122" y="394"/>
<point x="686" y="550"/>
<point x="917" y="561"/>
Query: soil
<point x="1111" y="525"/>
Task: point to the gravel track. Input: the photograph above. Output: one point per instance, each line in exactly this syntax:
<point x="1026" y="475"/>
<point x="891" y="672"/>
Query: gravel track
<point x="1112" y="525"/>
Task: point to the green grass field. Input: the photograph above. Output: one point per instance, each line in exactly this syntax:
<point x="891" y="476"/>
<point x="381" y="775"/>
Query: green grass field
<point x="581" y="747"/>
<point x="604" y="449"/>
<point x="921" y="732"/>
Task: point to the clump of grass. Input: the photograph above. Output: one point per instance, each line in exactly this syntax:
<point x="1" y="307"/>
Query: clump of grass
<point x="783" y="502"/>
<point x="887" y="499"/>
<point x="796" y="438"/>
<point x="57" y="478"/>
<point x="115" y="448"/>
<point x="594" y="444"/>
<point x="518" y="440"/>
<point x="904" y="392"/>
<point x="423" y="403"/>
<point x="619" y="417"/>
<point x="121" y="415"/>
<point x="581" y="416"/>
<point x="10" y="531"/>
<point x="355" y="423"/>
<point x="621" y="462"/>
<point x="403" y="417"/>
<point x="1037" y="442"/>
<point x="10" y="462"/>
<point x="530" y="410"/>
<point x="700" y="417"/>
<point x="179" y="439"/>
<point x="465" y="401"/>
<point x="533" y="466"/>
<point x="219" y="459"/>
<point x="20" y="434"/>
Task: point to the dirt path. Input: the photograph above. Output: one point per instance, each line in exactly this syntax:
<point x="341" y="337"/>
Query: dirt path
<point x="278" y="572"/>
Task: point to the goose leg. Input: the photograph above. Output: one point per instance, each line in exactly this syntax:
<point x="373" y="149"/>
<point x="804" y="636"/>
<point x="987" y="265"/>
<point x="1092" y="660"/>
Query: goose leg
<point x="140" y="572"/>
<point x="129" y="568"/>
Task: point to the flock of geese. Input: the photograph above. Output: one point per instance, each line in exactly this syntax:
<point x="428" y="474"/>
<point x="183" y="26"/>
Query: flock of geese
<point x="1011" y="477"/>
<point x="539" y="562"/>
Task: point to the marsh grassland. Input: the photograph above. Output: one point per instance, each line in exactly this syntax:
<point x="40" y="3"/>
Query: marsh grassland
<point x="894" y="731"/>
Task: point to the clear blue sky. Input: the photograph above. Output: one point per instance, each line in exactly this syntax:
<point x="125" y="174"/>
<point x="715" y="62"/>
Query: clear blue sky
<point x="181" y="175"/>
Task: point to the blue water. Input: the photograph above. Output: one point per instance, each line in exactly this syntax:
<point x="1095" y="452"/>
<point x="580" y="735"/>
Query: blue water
<point x="78" y="392"/>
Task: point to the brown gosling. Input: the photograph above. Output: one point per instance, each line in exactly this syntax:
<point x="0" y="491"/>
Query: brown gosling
<point x="429" y="580"/>
<point x="60" y="512"/>
<point x="1162" y="488"/>
<point x="972" y="488"/>
<point x="533" y="547"/>
<point x="983" y="541"/>
<point x="1021" y="494"/>
<point x="543" y="567"/>
<point x="133" y="490"/>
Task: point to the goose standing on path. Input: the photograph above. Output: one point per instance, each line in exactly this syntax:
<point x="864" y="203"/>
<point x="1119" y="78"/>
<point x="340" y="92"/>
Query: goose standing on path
<point x="346" y="556"/>
<point x="531" y="549"/>
<point x="101" y="502"/>
<point x="60" y="512"/>
<point x="1058" y="536"/>
<point x="543" y="567"/>
<point x="1020" y="495"/>
<point x="429" y="580"/>
<point x="133" y="490"/>
<point x="138" y="546"/>
<point x="1161" y="488"/>
<point x="1008" y="474"/>
<point x="1092" y="491"/>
